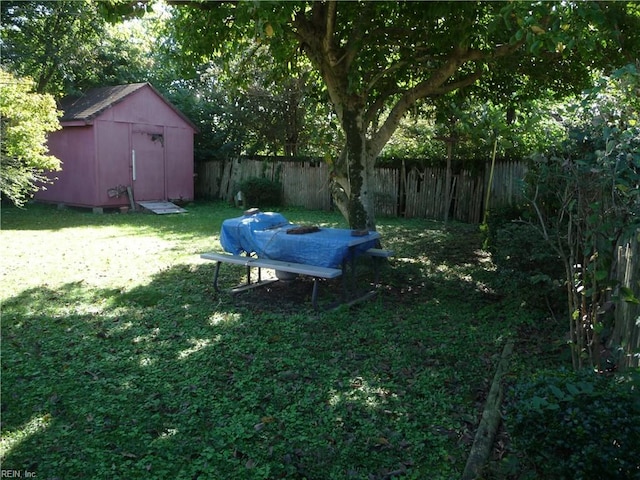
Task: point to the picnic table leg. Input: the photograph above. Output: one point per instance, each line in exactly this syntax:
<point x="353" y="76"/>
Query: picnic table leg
<point x="376" y="270"/>
<point x="314" y="294"/>
<point x="354" y="286"/>
<point x="215" y="277"/>
<point x="249" y="272"/>
<point x="349" y="286"/>
<point x="345" y="286"/>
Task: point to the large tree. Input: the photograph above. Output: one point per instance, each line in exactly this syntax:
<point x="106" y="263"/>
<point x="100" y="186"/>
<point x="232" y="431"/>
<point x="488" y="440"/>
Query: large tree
<point x="378" y="59"/>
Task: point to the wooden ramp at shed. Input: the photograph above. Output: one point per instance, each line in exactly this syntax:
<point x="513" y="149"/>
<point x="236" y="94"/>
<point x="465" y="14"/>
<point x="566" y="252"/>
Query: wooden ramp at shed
<point x="161" y="208"/>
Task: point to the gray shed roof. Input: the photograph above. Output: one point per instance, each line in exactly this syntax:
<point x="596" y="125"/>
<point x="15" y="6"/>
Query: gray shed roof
<point x="97" y="100"/>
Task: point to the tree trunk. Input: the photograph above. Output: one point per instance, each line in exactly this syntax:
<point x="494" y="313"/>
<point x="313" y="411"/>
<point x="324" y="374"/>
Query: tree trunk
<point x="353" y="175"/>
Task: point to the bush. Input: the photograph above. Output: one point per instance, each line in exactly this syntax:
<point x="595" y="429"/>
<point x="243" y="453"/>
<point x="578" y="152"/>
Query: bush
<point x="27" y="119"/>
<point x="526" y="265"/>
<point x="261" y="192"/>
<point x="498" y="218"/>
<point x="577" y="425"/>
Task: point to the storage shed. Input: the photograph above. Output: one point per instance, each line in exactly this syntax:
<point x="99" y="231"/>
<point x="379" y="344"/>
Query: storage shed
<point x="119" y="144"/>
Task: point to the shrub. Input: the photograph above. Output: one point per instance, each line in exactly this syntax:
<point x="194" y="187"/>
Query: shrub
<point x="585" y="196"/>
<point x="27" y="118"/>
<point x="526" y="265"/>
<point x="577" y="425"/>
<point x="261" y="192"/>
<point x="498" y="218"/>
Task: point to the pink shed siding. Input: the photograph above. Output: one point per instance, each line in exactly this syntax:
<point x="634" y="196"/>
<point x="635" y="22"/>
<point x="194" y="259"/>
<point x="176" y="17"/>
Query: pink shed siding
<point x="76" y="183"/>
<point x="143" y="106"/>
<point x="99" y="157"/>
<point x="179" y="179"/>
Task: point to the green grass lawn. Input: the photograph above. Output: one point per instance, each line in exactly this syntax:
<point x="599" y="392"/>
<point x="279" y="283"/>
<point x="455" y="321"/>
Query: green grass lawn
<point x="119" y="360"/>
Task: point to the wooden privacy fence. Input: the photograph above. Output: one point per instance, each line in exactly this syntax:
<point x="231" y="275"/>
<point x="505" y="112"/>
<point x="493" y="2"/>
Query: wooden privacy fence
<point x="414" y="192"/>
<point x="306" y="184"/>
<point x="626" y="331"/>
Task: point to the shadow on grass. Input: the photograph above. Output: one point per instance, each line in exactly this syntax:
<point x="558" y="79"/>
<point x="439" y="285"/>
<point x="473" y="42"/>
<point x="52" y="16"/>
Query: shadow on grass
<point x="171" y="380"/>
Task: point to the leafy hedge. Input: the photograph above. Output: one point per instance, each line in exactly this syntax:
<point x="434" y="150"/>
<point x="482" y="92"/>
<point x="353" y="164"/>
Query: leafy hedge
<point x="577" y="425"/>
<point x="261" y="192"/>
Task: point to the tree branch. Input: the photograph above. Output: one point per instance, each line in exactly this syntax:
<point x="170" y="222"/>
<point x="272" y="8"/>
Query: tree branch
<point x="330" y="25"/>
<point x="490" y="421"/>
<point x="450" y="87"/>
<point x="421" y="90"/>
<point x="436" y="84"/>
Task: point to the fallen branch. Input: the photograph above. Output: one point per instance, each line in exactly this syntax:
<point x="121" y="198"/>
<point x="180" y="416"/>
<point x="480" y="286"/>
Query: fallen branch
<point x="483" y="442"/>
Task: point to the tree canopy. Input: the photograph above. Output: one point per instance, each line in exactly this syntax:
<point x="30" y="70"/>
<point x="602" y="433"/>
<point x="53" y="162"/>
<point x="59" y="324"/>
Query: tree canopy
<point x="68" y="46"/>
<point x="377" y="60"/>
<point x="273" y="75"/>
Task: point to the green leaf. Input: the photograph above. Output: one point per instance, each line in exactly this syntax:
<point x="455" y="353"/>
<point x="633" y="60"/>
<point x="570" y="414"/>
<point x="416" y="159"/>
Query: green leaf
<point x="560" y="395"/>
<point x="538" y="402"/>
<point x="572" y="389"/>
<point x="601" y="275"/>
<point x="628" y="296"/>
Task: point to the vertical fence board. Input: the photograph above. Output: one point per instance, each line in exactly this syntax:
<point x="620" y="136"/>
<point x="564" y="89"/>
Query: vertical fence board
<point x="505" y="189"/>
<point x="413" y="206"/>
<point x="305" y="184"/>
<point x="210" y="179"/>
<point x="386" y="191"/>
<point x="626" y="332"/>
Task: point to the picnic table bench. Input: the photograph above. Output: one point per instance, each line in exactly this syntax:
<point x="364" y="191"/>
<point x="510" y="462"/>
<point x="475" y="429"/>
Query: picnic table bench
<point x="252" y="262"/>
<point x="313" y="271"/>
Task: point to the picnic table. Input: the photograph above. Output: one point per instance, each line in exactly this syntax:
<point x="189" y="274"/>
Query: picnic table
<point x="269" y="240"/>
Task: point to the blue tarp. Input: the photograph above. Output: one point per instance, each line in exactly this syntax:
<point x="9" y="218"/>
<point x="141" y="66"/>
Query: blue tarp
<point x="265" y="234"/>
